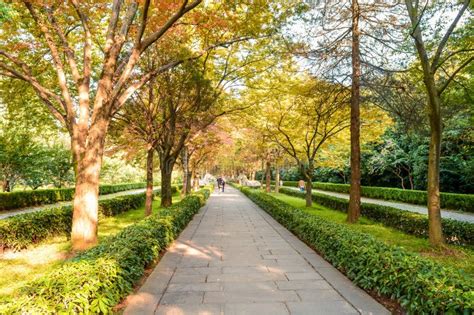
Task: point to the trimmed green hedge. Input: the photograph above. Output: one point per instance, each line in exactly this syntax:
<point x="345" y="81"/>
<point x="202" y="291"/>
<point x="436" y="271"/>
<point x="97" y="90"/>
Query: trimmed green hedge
<point x="21" y="199"/>
<point x="96" y="280"/>
<point x="462" y="202"/>
<point x="20" y="231"/>
<point x="420" y="285"/>
<point x="455" y="232"/>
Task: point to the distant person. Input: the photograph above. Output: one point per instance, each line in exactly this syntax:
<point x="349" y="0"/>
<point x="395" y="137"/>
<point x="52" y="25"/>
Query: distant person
<point x="223" y="185"/>
<point x="301" y="185"/>
<point x="219" y="183"/>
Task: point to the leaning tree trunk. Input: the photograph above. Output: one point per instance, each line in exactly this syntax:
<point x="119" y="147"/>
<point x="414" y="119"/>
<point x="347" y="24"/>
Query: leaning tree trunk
<point x="166" y="169"/>
<point x="86" y="196"/>
<point x="149" y="182"/>
<point x="268" y="177"/>
<point x="355" y="189"/>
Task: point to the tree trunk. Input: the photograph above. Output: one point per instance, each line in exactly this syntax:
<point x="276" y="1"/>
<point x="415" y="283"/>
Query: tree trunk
<point x="86" y="197"/>
<point x="149" y="182"/>
<point x="410" y="178"/>
<point x="434" y="203"/>
<point x="309" y="193"/>
<point x="277" y="178"/>
<point x="6" y="186"/>
<point x="166" y="192"/>
<point x="195" y="180"/>
<point x="268" y="177"/>
<point x="186" y="178"/>
<point x="355" y="189"/>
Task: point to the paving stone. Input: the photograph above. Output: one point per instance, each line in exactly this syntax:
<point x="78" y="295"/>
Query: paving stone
<point x="190" y="309"/>
<point x="328" y="308"/>
<point x="258" y="285"/>
<point x="248" y="277"/>
<point x="185" y="297"/>
<point x="303" y="276"/>
<point x="197" y="270"/>
<point x="179" y="278"/>
<point x="255" y="308"/>
<point x="250" y="296"/>
<point x="319" y="295"/>
<point x="303" y="284"/>
<point x="174" y="287"/>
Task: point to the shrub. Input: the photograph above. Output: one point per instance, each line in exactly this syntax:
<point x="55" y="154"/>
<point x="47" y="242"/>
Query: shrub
<point x="462" y="202"/>
<point x="455" y="232"/>
<point x="420" y="285"/>
<point x="20" y="231"/>
<point x="21" y="199"/>
<point x="97" y="279"/>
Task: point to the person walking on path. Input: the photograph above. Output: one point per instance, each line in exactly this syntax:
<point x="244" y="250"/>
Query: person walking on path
<point x="223" y="185"/>
<point x="301" y="185"/>
<point x="219" y="183"/>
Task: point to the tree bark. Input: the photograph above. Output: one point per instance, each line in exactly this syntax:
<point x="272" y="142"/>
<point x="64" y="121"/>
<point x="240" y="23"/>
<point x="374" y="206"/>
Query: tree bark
<point x="149" y="182"/>
<point x="166" y="192"/>
<point x="277" y="178"/>
<point x="186" y="179"/>
<point x="268" y="177"/>
<point x="309" y="193"/>
<point x="355" y="189"/>
<point x="86" y="197"/>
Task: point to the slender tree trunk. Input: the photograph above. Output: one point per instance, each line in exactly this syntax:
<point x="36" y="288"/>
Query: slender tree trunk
<point x="355" y="189"/>
<point x="277" y="178"/>
<point x="86" y="197"/>
<point x="434" y="203"/>
<point x="149" y="182"/>
<point x="166" y="192"/>
<point x="309" y="192"/>
<point x="186" y="178"/>
<point x="410" y="178"/>
<point x="434" y="110"/>
<point x="268" y="177"/>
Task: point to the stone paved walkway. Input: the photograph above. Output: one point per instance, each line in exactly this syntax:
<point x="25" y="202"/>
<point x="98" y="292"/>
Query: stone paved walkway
<point x="233" y="258"/>
<point x="450" y="214"/>
<point x="10" y="213"/>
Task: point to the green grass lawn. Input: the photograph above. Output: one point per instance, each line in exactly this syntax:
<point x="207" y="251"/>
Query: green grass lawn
<point x="19" y="268"/>
<point x="456" y="256"/>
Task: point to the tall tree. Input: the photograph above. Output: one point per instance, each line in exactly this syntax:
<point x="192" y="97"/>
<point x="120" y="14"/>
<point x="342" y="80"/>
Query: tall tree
<point x="92" y="88"/>
<point x="440" y="65"/>
<point x="302" y="122"/>
<point x="353" y="212"/>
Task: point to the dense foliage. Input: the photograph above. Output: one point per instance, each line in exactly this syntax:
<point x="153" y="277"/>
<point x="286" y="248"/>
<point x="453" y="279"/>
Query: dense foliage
<point x="420" y="285"/>
<point x="20" y="231"/>
<point x="462" y="202"/>
<point x="20" y="199"/>
<point x="455" y="232"/>
<point x="96" y="280"/>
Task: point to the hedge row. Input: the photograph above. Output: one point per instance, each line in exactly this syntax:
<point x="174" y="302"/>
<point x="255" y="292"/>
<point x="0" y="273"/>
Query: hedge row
<point x="455" y="232"/>
<point x="20" y="231"/>
<point x="96" y="280"/>
<point x="462" y="202"/>
<point x="420" y="285"/>
<point x="21" y="199"/>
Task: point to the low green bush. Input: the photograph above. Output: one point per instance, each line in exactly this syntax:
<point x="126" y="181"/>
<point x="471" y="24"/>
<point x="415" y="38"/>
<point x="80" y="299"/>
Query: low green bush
<point x="420" y="285"/>
<point x="455" y="232"/>
<point x="461" y="202"/>
<point x="20" y="231"/>
<point x="21" y="199"/>
<point x="96" y="280"/>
